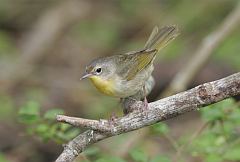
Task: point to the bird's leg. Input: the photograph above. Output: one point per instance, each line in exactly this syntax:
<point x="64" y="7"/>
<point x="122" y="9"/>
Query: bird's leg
<point x="145" y="102"/>
<point x="145" y="98"/>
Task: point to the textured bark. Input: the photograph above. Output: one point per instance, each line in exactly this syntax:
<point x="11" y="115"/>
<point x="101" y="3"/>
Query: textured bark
<point x="157" y="111"/>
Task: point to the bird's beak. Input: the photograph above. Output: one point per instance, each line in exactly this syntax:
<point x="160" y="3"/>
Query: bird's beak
<point x="85" y="75"/>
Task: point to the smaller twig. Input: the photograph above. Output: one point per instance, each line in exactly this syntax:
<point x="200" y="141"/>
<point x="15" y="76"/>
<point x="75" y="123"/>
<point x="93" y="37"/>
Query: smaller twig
<point x="101" y="125"/>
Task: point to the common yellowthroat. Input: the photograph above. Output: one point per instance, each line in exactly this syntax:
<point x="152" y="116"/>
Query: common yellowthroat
<point x="124" y="75"/>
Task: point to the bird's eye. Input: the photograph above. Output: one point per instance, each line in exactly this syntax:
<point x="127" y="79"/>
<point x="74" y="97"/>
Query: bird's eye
<point x="99" y="70"/>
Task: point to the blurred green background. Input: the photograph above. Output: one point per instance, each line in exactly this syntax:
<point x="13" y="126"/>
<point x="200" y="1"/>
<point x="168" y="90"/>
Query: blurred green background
<point x="45" y="45"/>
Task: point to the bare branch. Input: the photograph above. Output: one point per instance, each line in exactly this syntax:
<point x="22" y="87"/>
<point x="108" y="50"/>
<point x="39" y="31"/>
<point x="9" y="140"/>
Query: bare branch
<point x="101" y="125"/>
<point x="157" y="111"/>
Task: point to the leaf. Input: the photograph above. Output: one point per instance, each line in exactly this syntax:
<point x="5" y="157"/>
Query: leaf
<point x="64" y="126"/>
<point x="42" y="128"/>
<point x="29" y="113"/>
<point x="138" y="155"/>
<point x="31" y="107"/>
<point x="52" y="113"/>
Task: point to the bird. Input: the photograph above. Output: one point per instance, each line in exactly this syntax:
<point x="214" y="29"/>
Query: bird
<point x="128" y="74"/>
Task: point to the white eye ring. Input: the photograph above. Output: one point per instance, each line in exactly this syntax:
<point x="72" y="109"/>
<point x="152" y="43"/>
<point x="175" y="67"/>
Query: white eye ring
<point x="98" y="70"/>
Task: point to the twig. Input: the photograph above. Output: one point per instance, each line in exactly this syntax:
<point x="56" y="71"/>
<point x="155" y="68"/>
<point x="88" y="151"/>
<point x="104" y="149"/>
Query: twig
<point x="157" y="111"/>
<point x="101" y="125"/>
<point x="203" y="53"/>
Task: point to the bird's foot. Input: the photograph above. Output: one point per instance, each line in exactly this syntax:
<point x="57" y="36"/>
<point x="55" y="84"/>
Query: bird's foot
<point x="145" y="103"/>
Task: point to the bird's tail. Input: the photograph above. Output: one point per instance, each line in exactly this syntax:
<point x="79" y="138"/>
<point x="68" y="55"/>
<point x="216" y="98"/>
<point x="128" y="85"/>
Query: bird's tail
<point x="159" y="38"/>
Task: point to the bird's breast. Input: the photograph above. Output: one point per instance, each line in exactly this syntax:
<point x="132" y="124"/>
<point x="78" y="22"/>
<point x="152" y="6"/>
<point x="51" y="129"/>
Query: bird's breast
<point x="104" y="86"/>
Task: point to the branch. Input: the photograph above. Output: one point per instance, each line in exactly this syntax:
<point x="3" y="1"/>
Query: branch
<point x="157" y="111"/>
<point x="192" y="68"/>
<point x="101" y="125"/>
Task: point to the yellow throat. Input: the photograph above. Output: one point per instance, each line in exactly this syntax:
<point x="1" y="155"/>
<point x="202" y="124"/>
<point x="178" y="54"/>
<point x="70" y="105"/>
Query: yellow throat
<point x="104" y="86"/>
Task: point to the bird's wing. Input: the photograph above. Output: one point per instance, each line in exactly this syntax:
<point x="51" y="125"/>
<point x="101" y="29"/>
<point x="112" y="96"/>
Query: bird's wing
<point x="136" y="62"/>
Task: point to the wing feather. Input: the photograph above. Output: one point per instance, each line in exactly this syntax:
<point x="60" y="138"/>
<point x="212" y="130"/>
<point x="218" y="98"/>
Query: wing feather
<point x="134" y="62"/>
<point x="139" y="62"/>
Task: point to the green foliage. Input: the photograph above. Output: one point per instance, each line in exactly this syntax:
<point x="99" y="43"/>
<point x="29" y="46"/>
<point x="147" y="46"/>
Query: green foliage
<point x="44" y="126"/>
<point x="220" y="111"/>
<point x="29" y="113"/>
<point x="51" y="114"/>
<point x="220" y="141"/>
<point x="217" y="142"/>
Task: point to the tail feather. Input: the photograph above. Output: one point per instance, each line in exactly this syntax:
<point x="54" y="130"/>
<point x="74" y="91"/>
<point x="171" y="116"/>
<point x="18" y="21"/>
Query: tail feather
<point x="159" y="38"/>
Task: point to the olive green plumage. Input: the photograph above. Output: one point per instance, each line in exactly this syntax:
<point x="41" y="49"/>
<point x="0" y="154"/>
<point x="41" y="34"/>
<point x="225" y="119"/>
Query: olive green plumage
<point x="124" y="75"/>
